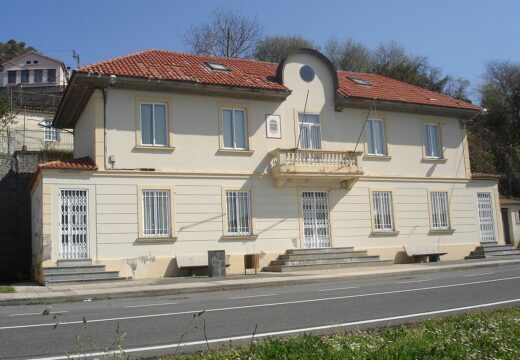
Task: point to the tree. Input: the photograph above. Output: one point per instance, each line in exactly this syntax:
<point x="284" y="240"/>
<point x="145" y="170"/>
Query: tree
<point x="275" y="48"/>
<point x="349" y="55"/>
<point x="11" y="49"/>
<point x="497" y="134"/>
<point x="229" y="34"/>
<point x="7" y="118"/>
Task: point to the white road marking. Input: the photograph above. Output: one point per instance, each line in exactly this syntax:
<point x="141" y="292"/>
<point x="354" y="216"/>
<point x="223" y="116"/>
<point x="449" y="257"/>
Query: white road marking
<point x="146" y="305"/>
<point x="341" y="288"/>
<point x="470" y="275"/>
<point x="414" y="281"/>
<point x="251" y="296"/>
<point x="39" y="313"/>
<point x="260" y="305"/>
<point x="281" y="332"/>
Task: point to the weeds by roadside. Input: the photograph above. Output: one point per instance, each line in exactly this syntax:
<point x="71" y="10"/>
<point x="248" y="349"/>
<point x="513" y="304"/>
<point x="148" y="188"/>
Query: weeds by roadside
<point x="7" y="289"/>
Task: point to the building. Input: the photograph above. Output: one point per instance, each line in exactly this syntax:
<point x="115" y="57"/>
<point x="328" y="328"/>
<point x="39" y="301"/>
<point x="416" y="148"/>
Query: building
<point x="179" y="154"/>
<point x="511" y="221"/>
<point x="33" y="85"/>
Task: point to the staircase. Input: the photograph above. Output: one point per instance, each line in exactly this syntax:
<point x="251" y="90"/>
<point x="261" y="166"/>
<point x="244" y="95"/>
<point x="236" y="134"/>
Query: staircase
<point x="322" y="259"/>
<point x="78" y="271"/>
<point x="493" y="251"/>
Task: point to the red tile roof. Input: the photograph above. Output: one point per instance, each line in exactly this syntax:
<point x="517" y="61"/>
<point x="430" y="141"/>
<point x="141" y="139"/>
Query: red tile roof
<point x="169" y="65"/>
<point x="383" y="88"/>
<point x="84" y="163"/>
<point x="482" y="176"/>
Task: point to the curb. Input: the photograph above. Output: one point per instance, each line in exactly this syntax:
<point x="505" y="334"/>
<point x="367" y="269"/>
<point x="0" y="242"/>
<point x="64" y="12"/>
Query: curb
<point x="240" y="286"/>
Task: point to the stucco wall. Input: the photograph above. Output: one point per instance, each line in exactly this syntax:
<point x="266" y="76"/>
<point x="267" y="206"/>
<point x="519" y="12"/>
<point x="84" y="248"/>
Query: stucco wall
<point x="85" y="131"/>
<point x="198" y="213"/>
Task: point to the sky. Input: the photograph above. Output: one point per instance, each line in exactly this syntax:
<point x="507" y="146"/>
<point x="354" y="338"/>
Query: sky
<point x="458" y="36"/>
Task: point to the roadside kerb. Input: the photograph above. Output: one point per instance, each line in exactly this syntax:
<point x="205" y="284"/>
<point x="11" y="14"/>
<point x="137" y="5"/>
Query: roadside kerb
<point x="224" y="284"/>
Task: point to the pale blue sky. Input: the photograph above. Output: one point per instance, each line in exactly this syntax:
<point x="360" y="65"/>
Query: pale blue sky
<point x="457" y="36"/>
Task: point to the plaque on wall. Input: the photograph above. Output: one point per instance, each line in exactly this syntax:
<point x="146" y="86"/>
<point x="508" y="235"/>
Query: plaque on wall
<point x="274" y="126"/>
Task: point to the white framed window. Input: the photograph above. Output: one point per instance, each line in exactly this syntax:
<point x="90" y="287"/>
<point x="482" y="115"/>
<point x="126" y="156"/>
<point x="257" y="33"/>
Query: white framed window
<point x="375" y="129"/>
<point x="310" y="131"/>
<point x="51" y="75"/>
<point x="234" y="123"/>
<point x="439" y="210"/>
<point x="432" y="141"/>
<point x="383" y="211"/>
<point x="238" y="204"/>
<point x="11" y="77"/>
<point x="154" y="124"/>
<point x="156" y="212"/>
<point x="38" y="76"/>
<point x="50" y="133"/>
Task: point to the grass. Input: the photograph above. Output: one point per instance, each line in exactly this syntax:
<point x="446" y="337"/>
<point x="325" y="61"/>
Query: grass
<point x="7" y="289"/>
<point x="483" y="335"/>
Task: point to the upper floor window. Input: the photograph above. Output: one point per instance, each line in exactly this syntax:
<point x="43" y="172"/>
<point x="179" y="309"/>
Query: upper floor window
<point x="154" y="128"/>
<point x="376" y="137"/>
<point x="310" y="131"/>
<point x="11" y="77"/>
<point x="235" y="129"/>
<point x="24" y="76"/>
<point x="432" y="141"/>
<point x="51" y="75"/>
<point x="38" y="76"/>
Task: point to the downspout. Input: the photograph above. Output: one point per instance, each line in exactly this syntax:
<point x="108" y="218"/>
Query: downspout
<point x="105" y="128"/>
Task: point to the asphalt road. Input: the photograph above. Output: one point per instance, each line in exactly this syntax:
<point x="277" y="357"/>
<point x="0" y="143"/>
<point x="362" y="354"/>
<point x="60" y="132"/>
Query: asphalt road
<point x="182" y="323"/>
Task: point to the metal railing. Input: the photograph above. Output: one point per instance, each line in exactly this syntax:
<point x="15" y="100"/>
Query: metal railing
<point x="35" y="140"/>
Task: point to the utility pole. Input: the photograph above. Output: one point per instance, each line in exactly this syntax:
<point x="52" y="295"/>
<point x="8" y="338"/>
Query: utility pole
<point x="75" y="56"/>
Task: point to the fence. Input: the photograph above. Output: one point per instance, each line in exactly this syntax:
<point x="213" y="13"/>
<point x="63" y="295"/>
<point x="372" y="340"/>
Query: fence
<point x="35" y="140"/>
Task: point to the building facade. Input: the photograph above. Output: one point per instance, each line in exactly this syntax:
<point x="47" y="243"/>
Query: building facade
<point x="179" y="154"/>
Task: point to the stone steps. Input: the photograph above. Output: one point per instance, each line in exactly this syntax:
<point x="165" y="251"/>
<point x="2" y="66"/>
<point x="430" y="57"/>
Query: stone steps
<point x="323" y="259"/>
<point x="73" y="271"/>
<point x="492" y="250"/>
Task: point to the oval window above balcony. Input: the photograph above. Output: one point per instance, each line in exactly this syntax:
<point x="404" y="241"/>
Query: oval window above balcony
<point x="307" y="73"/>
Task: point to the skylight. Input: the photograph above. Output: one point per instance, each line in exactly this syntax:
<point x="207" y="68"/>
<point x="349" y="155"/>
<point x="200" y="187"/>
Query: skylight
<point x="217" y="66"/>
<point x="360" y="81"/>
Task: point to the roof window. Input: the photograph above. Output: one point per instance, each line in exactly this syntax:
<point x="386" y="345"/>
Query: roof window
<point x="218" y="66"/>
<point x="360" y="81"/>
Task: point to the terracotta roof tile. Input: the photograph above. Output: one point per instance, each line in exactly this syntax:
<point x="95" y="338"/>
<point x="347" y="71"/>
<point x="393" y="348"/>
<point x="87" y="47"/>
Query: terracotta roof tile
<point x="169" y="65"/>
<point x="482" y="176"/>
<point x="84" y="163"/>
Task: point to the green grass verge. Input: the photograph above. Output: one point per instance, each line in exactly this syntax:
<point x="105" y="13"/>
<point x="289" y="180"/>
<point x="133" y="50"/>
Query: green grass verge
<point x="483" y="335"/>
<point x="7" y="289"/>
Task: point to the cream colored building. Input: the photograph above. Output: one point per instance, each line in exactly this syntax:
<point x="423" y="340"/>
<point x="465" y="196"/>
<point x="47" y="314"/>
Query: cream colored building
<point x="181" y="154"/>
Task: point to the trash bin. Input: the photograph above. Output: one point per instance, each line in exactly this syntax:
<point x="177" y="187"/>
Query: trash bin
<point x="216" y="263"/>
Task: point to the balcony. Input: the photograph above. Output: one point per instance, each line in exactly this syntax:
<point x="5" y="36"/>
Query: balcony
<point x="320" y="165"/>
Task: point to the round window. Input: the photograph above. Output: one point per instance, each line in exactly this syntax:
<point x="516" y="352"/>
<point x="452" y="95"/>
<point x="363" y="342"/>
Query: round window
<point x="307" y="73"/>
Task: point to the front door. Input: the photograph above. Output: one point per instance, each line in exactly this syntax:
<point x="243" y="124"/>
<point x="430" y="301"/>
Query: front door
<point x="73" y="224"/>
<point x="486" y="220"/>
<point x="315" y="220"/>
<point x="505" y="223"/>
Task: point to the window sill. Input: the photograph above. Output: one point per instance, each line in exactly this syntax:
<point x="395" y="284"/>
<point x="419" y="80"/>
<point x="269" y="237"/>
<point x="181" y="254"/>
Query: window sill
<point x="238" y="237"/>
<point x="156" y="240"/>
<point x="384" y="233"/>
<point x="237" y="152"/>
<point x="434" y="160"/>
<point x="145" y="148"/>
<point x="377" y="157"/>
<point x="441" y="231"/>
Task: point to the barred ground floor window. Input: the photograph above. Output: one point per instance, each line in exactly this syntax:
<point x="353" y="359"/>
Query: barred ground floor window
<point x="383" y="211"/>
<point x="156" y="213"/>
<point x="238" y="205"/>
<point x="439" y="210"/>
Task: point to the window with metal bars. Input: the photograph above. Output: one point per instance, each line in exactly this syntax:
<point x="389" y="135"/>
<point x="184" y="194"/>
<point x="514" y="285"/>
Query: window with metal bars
<point x="432" y="141"/>
<point x="156" y="213"/>
<point x="375" y="129"/>
<point x="383" y="213"/>
<point x="238" y="212"/>
<point x="439" y="210"/>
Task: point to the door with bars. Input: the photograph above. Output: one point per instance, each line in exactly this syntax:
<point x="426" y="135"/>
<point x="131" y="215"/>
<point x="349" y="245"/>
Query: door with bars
<point x="73" y="225"/>
<point x="486" y="220"/>
<point x="316" y="227"/>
